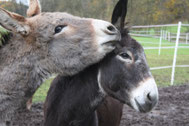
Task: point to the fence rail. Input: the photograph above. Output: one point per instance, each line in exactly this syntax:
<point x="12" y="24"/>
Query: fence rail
<point x="166" y="35"/>
<point x="169" y="47"/>
<point x="156" y="26"/>
<point x="167" y="67"/>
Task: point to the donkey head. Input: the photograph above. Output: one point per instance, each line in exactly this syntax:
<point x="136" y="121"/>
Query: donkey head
<point x="68" y="43"/>
<point x="124" y="74"/>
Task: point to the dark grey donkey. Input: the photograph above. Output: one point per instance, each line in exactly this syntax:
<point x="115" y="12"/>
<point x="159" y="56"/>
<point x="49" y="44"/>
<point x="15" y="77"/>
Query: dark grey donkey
<point x="43" y="44"/>
<point x="123" y="75"/>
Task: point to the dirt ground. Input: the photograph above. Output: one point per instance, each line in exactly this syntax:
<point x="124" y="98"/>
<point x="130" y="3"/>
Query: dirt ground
<point x="172" y="110"/>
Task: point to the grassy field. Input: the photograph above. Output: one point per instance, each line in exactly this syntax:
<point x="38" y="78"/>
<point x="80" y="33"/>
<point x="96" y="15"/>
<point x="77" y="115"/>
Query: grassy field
<point x="172" y="29"/>
<point x="162" y="76"/>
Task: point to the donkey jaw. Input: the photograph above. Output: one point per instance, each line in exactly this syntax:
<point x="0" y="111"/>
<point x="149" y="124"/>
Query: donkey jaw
<point x="145" y="97"/>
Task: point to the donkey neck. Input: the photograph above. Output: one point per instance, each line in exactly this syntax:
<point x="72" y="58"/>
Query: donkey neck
<point x="82" y="96"/>
<point x="20" y="67"/>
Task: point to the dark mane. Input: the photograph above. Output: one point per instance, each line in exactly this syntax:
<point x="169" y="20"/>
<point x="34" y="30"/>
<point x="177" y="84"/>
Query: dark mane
<point x="4" y="38"/>
<point x="127" y="40"/>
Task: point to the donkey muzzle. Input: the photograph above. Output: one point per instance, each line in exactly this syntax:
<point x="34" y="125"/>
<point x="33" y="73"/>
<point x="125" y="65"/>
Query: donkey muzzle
<point x="105" y="33"/>
<point x="145" y="96"/>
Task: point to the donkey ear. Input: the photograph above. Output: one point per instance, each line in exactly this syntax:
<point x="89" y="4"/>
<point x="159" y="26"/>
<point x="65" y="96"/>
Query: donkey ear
<point x="34" y="8"/>
<point x="119" y="13"/>
<point x="116" y="13"/>
<point x="13" y="22"/>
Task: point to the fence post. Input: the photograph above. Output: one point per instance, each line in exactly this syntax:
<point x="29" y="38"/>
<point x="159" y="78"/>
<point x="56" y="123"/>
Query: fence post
<point x="169" y="36"/>
<point x="163" y="35"/>
<point x="166" y="35"/>
<point x="187" y="35"/>
<point x="175" y="53"/>
<point x="160" y="41"/>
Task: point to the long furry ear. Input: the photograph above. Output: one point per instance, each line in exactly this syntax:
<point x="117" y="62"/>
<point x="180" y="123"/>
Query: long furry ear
<point x="34" y="8"/>
<point x="119" y="14"/>
<point x="13" y="22"/>
<point x="116" y="12"/>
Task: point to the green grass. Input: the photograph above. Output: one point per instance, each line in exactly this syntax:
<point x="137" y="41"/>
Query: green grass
<point x="42" y="91"/>
<point x="175" y="28"/>
<point x="162" y="76"/>
<point x="145" y="42"/>
<point x="172" y="29"/>
<point x="2" y="31"/>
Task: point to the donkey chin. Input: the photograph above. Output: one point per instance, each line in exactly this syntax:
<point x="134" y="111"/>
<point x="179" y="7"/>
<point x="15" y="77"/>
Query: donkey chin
<point x="145" y="96"/>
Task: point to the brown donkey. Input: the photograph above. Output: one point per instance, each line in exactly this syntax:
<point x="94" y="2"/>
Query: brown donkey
<point x="109" y="112"/>
<point x="46" y="43"/>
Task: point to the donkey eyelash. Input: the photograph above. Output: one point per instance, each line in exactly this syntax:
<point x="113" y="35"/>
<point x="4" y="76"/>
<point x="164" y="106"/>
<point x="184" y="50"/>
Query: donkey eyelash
<point x="124" y="60"/>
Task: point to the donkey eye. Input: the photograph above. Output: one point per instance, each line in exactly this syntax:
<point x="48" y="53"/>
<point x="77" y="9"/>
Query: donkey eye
<point x="59" y="28"/>
<point x="125" y="56"/>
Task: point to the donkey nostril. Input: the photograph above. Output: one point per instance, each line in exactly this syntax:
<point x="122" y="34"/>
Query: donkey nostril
<point x="111" y="28"/>
<point x="149" y="97"/>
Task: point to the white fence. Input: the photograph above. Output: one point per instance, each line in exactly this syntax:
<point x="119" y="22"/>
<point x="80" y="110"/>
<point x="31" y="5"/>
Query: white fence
<point x="166" y="35"/>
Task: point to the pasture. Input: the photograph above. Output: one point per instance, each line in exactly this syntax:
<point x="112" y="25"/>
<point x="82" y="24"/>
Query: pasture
<point x="162" y="76"/>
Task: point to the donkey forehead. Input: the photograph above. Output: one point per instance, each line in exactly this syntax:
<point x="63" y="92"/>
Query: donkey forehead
<point x="131" y="45"/>
<point x="55" y="18"/>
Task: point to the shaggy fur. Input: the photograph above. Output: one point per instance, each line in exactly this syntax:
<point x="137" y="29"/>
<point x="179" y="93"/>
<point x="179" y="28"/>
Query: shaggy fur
<point x="35" y="51"/>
